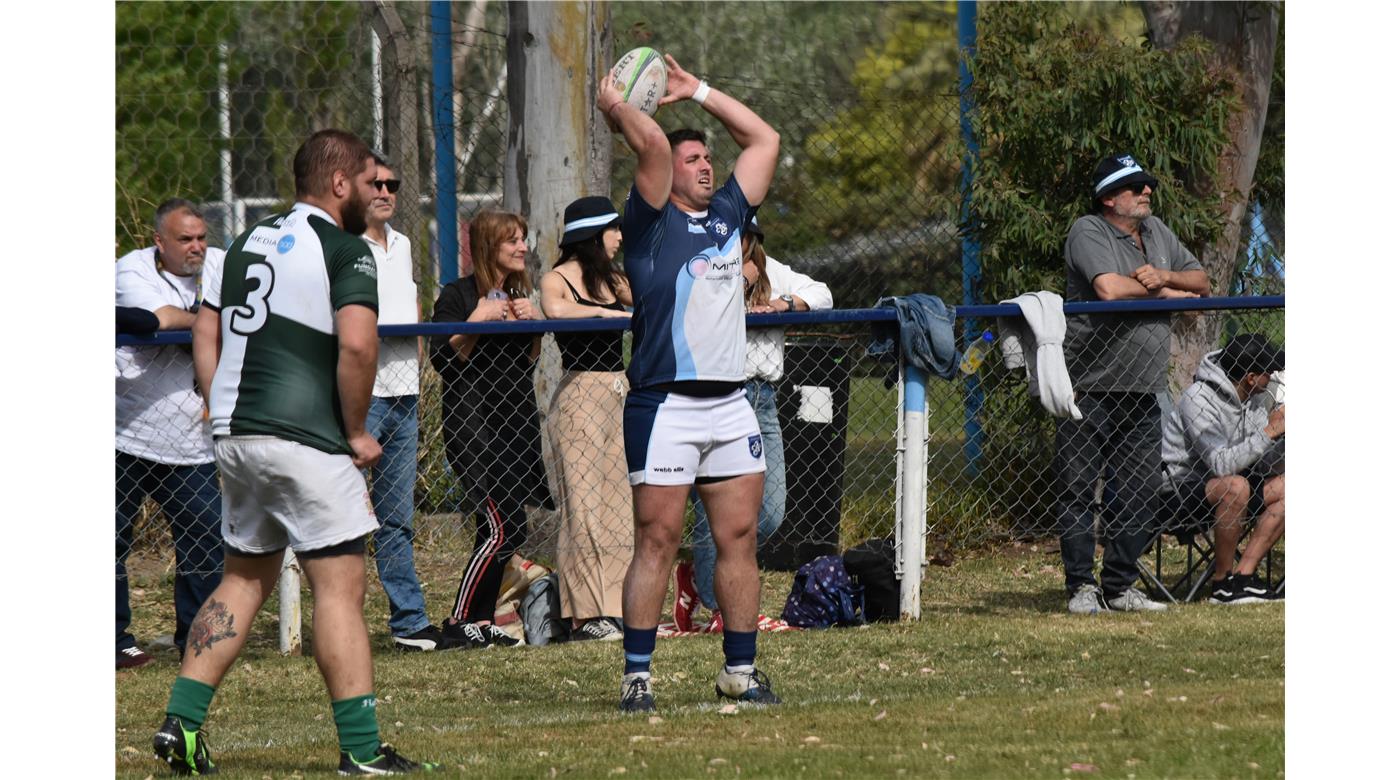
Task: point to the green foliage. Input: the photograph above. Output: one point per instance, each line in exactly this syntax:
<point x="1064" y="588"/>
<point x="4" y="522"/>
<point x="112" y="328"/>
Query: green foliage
<point x="293" y="68"/>
<point x="1053" y="97"/>
<point x="167" y="112"/>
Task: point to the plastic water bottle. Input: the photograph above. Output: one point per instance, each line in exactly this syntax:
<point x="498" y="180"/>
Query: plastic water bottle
<point x="975" y="354"/>
<point x="497" y="294"/>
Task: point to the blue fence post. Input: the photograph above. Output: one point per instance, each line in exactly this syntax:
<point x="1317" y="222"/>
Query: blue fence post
<point x="971" y="248"/>
<point x="444" y="140"/>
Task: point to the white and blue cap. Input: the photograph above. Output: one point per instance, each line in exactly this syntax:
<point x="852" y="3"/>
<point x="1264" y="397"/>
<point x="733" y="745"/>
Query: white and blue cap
<point x="586" y="218"/>
<point x="1117" y="171"/>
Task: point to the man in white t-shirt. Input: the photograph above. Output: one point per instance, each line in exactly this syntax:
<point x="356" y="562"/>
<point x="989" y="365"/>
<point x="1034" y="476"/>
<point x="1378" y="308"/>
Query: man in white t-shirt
<point x="163" y="449"/>
<point x="393" y="420"/>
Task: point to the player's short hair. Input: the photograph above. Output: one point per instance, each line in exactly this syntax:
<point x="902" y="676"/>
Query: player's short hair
<point x="324" y="153"/>
<point x="681" y="135"/>
<point x="174" y="205"/>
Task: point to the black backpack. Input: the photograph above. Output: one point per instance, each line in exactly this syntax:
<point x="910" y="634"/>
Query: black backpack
<point x="871" y="566"/>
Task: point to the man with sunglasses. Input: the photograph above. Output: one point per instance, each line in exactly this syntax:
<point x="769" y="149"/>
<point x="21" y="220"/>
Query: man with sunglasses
<point x="393" y="420"/>
<point x="1118" y="364"/>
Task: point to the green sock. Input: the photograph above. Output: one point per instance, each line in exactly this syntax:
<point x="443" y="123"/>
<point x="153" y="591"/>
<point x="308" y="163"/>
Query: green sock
<point x="189" y="701"/>
<point x="357" y="726"/>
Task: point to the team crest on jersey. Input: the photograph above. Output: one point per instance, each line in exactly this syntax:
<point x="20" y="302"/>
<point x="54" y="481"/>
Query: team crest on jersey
<point x="285" y="244"/>
<point x="756" y="445"/>
<point x="698" y="266"/>
<point x="721" y="228"/>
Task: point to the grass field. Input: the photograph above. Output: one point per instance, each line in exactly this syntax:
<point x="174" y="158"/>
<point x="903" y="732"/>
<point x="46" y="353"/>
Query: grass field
<point x="995" y="681"/>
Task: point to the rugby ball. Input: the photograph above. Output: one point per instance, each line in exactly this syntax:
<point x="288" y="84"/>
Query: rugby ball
<point x="641" y="78"/>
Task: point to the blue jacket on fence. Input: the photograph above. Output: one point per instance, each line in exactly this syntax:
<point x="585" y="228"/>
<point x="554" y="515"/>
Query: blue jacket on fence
<point x="925" y="334"/>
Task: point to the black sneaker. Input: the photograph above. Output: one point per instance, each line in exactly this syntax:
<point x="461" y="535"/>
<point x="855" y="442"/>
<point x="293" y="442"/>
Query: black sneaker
<point x="421" y="641"/>
<point x="185" y="752"/>
<point x="636" y="694"/>
<point x="1240" y="589"/>
<point x="749" y="685"/>
<point x="598" y="629"/>
<point x="386" y="761"/>
<point x="496" y="635"/>
<point x="465" y="634"/>
<point x="132" y="657"/>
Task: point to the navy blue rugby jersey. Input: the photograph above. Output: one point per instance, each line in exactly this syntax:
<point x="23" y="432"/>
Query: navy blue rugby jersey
<point x="686" y="274"/>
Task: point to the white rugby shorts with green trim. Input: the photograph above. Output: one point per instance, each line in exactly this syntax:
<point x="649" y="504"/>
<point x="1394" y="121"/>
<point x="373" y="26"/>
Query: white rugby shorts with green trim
<point x="279" y="493"/>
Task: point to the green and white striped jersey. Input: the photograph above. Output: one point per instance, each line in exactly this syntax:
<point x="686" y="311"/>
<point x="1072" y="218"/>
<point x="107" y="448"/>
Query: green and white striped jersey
<point x="282" y="283"/>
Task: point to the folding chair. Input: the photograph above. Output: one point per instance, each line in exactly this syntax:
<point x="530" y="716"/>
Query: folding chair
<point x="1195" y="533"/>
<point x="1193" y="527"/>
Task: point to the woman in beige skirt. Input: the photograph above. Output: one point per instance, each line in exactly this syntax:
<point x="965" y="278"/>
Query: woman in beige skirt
<point x="585" y="422"/>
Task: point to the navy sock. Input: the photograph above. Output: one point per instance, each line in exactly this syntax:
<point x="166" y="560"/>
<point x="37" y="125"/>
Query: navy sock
<point x="740" y="647"/>
<point x="637" y="646"/>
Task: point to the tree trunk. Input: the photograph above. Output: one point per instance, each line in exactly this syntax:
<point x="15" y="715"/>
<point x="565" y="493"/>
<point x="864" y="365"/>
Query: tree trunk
<point x="1244" y="36"/>
<point x="400" y="75"/>
<point x="557" y="145"/>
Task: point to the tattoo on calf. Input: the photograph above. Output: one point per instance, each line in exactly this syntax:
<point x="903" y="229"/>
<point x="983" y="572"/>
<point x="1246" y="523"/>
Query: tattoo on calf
<point x="214" y="622"/>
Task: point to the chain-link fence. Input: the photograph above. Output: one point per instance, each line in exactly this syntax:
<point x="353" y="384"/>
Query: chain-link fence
<point x="490" y="473"/>
<point x="212" y="99"/>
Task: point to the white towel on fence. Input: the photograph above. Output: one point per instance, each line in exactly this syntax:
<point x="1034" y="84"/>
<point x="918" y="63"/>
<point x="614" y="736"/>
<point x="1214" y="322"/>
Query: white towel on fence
<point x="1042" y="327"/>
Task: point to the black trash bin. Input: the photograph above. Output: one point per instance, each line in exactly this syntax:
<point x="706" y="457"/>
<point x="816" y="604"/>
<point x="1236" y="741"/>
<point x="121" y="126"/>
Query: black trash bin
<point x="814" y="396"/>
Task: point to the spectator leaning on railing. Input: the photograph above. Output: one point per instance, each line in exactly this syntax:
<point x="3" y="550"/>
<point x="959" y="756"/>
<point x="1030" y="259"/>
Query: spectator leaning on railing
<point x="163" y="447"/>
<point x="769" y="286"/>
<point x="393" y="420"/>
<point x="585" y="422"/>
<point x="1117" y="364"/>
<point x="490" y="421"/>
<point x="1222" y="451"/>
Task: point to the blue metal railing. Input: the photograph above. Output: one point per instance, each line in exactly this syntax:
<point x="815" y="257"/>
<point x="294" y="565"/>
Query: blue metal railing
<point x="833" y="316"/>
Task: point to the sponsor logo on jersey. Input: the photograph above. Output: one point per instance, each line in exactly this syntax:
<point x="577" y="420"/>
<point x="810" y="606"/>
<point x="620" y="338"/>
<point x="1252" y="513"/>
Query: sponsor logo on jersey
<point x="698" y="266"/>
<point x="756" y="446"/>
<point x="285" y="244"/>
<point x="366" y="266"/>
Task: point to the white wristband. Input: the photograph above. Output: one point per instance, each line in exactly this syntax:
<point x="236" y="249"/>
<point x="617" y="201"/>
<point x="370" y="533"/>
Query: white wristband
<point x="701" y="92"/>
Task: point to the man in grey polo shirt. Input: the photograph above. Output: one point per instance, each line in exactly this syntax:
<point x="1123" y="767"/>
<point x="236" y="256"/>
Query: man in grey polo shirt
<point x="1118" y="363"/>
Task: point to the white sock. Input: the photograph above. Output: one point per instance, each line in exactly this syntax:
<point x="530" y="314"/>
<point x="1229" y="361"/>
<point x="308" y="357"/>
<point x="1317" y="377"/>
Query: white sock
<point x="743" y="669"/>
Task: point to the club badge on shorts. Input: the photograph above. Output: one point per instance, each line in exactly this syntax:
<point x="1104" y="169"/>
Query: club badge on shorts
<point x="756" y="445"/>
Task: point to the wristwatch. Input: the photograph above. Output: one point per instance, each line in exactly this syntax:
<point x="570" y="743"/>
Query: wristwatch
<point x="788" y="300"/>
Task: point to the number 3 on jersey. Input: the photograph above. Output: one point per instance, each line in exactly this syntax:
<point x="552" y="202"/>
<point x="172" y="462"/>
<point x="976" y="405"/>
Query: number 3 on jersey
<point x="252" y="315"/>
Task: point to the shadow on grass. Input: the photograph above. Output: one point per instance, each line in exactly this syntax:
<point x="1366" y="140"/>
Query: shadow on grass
<point x="1001" y="602"/>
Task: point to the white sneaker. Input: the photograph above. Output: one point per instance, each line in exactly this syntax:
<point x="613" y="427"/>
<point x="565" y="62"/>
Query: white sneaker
<point x="1088" y="600"/>
<point x="1134" y="600"/>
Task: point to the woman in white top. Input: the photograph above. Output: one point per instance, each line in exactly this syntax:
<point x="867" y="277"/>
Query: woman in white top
<point x="769" y="286"/>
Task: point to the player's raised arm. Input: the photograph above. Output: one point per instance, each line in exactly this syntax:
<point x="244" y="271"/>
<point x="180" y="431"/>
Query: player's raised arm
<point x="653" y="177"/>
<point x="758" y="141"/>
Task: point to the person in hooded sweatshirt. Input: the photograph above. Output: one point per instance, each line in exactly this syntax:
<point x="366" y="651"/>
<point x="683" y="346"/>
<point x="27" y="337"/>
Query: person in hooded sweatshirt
<point x="1222" y="452"/>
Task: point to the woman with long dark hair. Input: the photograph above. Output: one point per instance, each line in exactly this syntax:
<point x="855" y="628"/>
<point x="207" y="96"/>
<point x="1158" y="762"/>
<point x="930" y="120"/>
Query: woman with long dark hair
<point x="585" y="422"/>
<point x="490" y="421"/>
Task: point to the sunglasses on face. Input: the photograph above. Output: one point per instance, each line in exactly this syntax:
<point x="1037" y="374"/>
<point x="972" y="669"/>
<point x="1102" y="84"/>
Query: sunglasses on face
<point x="392" y="185"/>
<point x="1136" y="189"/>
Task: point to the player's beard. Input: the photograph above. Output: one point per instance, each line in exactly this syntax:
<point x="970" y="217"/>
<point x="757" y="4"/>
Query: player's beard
<point x="353" y="214"/>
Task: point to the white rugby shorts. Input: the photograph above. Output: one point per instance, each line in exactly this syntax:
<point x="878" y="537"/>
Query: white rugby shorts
<point x="672" y="439"/>
<point x="280" y="493"/>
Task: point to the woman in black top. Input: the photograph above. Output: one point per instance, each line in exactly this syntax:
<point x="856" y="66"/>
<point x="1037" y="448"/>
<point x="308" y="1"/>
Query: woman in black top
<point x="490" y="421"/>
<point x="585" y="422"/>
